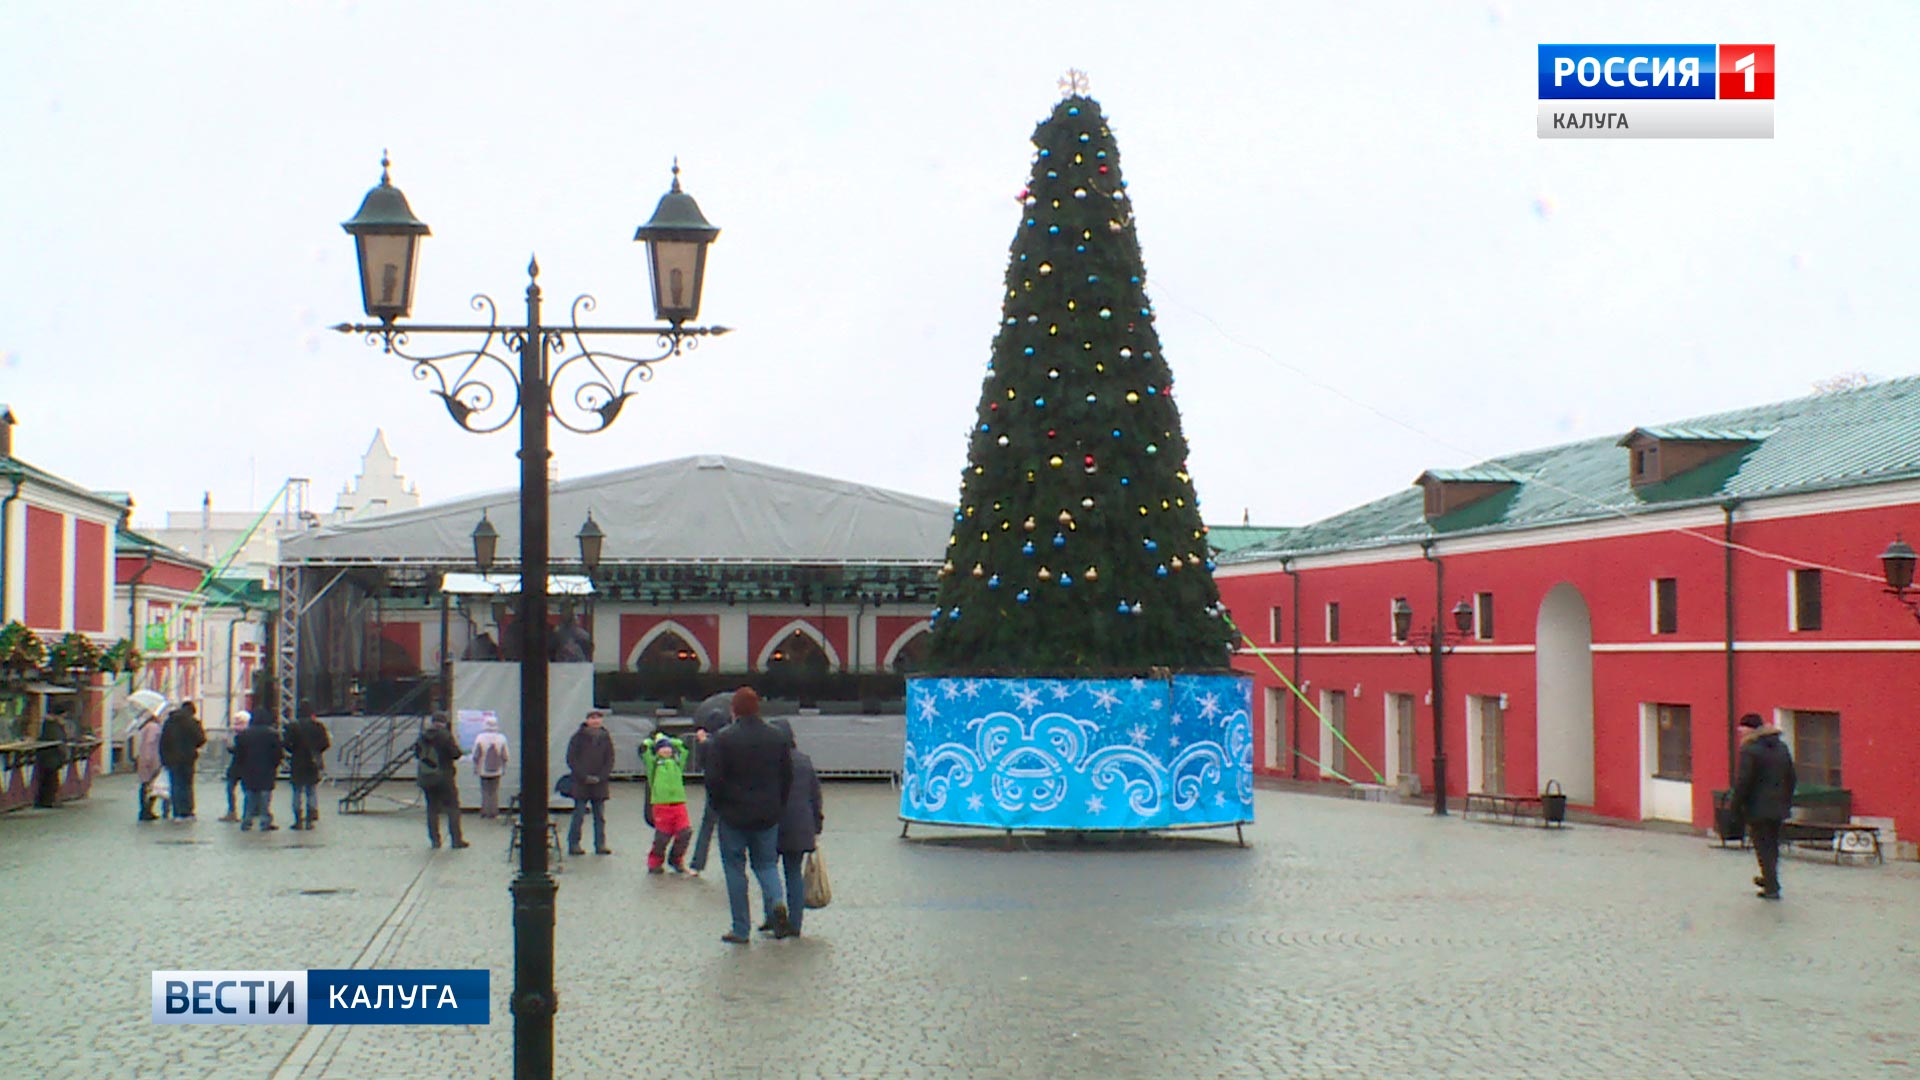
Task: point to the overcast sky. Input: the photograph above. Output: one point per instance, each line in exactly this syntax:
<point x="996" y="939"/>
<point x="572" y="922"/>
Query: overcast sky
<point x="1364" y="262"/>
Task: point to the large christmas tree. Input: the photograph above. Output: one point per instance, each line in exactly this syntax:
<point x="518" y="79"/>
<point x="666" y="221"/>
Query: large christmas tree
<point x="1077" y="547"/>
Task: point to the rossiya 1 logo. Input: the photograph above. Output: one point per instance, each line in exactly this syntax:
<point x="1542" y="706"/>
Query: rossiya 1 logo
<point x="1656" y="92"/>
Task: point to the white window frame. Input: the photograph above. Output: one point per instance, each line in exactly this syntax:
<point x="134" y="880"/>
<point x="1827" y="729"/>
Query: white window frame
<point x="1479" y="628"/>
<point x="1393" y="633"/>
<point x="1793" y="599"/>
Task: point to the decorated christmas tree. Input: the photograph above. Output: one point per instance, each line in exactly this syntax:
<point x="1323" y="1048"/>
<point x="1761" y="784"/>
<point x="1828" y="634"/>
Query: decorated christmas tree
<point x="1077" y="546"/>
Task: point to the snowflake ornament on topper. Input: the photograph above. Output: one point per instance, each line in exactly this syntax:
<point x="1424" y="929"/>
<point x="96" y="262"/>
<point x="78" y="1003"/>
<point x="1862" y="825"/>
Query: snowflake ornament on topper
<point x="1074" y="83"/>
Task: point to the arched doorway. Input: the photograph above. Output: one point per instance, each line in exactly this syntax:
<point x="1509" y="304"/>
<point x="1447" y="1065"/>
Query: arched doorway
<point x="1563" y="681"/>
<point x="910" y="652"/>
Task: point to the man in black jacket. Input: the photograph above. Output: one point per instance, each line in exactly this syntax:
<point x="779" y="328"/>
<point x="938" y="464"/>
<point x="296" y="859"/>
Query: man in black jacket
<point x="1763" y="796"/>
<point x="749" y="776"/>
<point x="180" y="743"/>
<point x="436" y="752"/>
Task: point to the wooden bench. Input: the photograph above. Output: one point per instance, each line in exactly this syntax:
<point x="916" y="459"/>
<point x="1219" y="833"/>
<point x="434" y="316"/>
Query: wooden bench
<point x="1512" y="809"/>
<point x="1843" y="839"/>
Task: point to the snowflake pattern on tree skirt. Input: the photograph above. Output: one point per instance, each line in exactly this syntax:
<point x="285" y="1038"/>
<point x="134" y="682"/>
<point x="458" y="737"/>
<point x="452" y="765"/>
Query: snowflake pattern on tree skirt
<point x="1097" y="754"/>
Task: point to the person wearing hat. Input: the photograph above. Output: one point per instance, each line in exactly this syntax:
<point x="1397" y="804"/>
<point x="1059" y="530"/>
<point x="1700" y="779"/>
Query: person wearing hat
<point x="750" y="774"/>
<point x="1763" y="796"/>
<point x="490" y="757"/>
<point x="590" y="760"/>
<point x="666" y="759"/>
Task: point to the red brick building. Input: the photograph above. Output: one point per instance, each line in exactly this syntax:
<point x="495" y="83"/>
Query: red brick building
<point x="1627" y="599"/>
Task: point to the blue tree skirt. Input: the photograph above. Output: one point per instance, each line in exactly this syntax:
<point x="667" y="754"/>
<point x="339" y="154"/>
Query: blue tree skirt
<point x="1089" y="754"/>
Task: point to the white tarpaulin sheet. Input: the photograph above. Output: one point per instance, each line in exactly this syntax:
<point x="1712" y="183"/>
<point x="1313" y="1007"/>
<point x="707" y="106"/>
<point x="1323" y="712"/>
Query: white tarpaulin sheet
<point x="483" y="686"/>
<point x="707" y="508"/>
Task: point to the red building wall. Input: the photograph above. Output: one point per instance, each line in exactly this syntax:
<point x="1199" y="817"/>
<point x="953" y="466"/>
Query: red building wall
<point x="46" y="568"/>
<point x="890" y="629"/>
<point x="90" y="577"/>
<point x="1860" y="663"/>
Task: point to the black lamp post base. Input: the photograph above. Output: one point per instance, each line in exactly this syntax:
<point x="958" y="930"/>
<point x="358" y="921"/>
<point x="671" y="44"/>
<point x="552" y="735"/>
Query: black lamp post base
<point x="534" y="1000"/>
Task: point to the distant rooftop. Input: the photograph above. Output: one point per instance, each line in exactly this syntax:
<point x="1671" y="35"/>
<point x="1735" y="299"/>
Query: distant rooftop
<point x="1844" y="439"/>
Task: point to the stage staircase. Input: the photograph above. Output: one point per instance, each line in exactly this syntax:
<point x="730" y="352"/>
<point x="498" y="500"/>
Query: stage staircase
<point x="377" y="752"/>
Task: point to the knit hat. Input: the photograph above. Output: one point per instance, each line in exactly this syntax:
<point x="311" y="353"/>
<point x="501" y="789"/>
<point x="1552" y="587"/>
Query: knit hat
<point x="1752" y="720"/>
<point x="746" y="702"/>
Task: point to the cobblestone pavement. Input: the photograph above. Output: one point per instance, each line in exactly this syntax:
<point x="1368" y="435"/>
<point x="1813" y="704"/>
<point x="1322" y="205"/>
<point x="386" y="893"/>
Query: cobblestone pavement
<point x="1350" y="939"/>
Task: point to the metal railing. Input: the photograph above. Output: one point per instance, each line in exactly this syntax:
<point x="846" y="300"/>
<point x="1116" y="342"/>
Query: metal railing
<point x="380" y="750"/>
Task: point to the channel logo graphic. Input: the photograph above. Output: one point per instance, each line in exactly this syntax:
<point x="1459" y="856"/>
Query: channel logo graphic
<point x="1656" y="92"/>
<point x="411" y="996"/>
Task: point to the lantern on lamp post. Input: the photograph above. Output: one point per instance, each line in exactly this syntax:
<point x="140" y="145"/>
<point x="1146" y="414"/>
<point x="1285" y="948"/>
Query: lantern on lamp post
<point x="386" y="237"/>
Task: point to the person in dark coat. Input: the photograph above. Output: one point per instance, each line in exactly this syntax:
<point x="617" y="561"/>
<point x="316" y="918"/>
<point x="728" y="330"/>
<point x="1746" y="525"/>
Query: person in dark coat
<point x="800" y="827"/>
<point x="180" y="743"/>
<point x="49" y="761"/>
<point x="307" y="744"/>
<point x="749" y="776"/>
<point x="711" y="715"/>
<point x="241" y="718"/>
<point x="257" y="752"/>
<point x="1763" y="796"/>
<point x="590" y="760"/>
<point x="436" y="753"/>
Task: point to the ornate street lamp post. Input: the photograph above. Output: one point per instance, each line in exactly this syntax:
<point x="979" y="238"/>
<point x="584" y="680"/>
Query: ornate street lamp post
<point x="1439" y="642"/>
<point x="483" y="392"/>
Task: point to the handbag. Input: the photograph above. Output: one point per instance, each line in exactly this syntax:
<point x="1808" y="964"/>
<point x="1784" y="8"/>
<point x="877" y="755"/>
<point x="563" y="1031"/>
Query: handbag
<point x="813" y="875"/>
<point x="563" y="787"/>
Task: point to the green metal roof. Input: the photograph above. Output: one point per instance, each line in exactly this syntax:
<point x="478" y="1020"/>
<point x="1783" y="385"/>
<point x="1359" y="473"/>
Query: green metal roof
<point x="1225" y="538"/>
<point x="1485" y="474"/>
<point x="1850" y="438"/>
<point x="1697" y="434"/>
<point x="250" y="593"/>
<point x="128" y="542"/>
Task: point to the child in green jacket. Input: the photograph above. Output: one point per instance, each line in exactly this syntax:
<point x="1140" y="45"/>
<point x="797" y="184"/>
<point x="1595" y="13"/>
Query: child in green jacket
<point x="665" y="759"/>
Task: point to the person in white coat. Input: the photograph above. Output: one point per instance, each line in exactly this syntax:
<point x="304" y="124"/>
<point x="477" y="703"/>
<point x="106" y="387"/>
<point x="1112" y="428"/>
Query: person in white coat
<point x="490" y="756"/>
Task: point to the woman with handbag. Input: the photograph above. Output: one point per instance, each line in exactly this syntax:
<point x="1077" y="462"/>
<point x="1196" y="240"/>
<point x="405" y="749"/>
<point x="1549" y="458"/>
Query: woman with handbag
<point x="800" y="827"/>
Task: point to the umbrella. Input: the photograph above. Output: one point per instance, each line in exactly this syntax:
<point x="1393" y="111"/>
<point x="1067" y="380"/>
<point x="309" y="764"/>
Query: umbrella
<point x="142" y="704"/>
<point x="150" y="701"/>
<point x="715" y="712"/>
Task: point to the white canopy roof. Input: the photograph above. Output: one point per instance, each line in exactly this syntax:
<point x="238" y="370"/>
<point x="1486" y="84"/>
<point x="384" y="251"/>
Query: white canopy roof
<point x="706" y="509"/>
<point x="465" y="584"/>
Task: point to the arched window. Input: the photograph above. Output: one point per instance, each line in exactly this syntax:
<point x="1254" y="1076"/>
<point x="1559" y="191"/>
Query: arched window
<point x="911" y="654"/>
<point x="669" y="653"/>
<point x="798" y="655"/>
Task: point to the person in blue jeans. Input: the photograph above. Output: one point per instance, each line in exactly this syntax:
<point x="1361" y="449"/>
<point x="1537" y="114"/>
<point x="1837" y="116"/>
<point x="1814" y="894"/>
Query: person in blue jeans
<point x="800" y="826"/>
<point x="590" y="758"/>
<point x="749" y="776"/>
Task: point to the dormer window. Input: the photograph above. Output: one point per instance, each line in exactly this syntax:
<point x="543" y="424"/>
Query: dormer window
<point x="1448" y="490"/>
<point x="1662" y="453"/>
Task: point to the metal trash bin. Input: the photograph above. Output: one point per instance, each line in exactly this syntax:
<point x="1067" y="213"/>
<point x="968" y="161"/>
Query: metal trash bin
<point x="1553" y="804"/>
